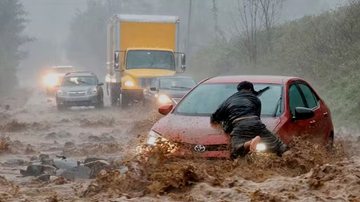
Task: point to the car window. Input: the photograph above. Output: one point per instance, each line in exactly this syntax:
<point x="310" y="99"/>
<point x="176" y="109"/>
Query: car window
<point x="79" y="81"/>
<point x="310" y="97"/>
<point x="138" y="59"/>
<point x="271" y="99"/>
<point x="206" y="98"/>
<point x="295" y="98"/>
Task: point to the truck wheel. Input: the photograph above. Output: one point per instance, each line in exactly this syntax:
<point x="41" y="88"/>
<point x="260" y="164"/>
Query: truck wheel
<point x="114" y="94"/>
<point x="100" y="104"/>
<point x="125" y="100"/>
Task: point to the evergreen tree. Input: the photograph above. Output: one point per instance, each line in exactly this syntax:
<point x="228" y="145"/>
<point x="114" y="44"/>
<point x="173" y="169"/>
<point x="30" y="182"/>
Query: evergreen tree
<point x="12" y="25"/>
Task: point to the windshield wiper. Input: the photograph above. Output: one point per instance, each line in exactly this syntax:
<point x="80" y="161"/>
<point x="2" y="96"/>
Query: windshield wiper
<point x="278" y="104"/>
<point x="260" y="92"/>
<point x="180" y="87"/>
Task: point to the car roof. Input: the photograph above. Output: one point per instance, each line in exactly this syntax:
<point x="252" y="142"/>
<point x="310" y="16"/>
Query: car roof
<point x="80" y="74"/>
<point x="175" y="77"/>
<point x="251" y="78"/>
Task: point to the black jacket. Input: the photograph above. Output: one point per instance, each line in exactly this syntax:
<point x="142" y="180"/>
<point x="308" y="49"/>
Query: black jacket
<point x="238" y="105"/>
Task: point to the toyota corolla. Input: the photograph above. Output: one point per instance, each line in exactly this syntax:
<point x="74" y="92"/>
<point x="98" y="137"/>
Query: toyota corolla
<point x="290" y="107"/>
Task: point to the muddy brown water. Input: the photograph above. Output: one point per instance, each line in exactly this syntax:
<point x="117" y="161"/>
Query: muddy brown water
<point x="32" y="127"/>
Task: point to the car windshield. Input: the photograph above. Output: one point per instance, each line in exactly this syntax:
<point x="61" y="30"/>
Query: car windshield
<point x="79" y="81"/>
<point x="206" y="98"/>
<point x="138" y="59"/>
<point x="177" y="83"/>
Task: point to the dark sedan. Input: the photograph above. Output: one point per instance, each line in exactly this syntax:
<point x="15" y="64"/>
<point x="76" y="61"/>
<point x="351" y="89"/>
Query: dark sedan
<point x="168" y="90"/>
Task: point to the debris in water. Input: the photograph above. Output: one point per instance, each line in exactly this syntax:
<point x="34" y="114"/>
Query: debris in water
<point x="4" y="144"/>
<point x="36" y="170"/>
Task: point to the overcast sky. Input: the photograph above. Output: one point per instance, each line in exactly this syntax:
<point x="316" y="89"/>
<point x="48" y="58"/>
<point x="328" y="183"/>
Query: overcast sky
<point x="49" y="19"/>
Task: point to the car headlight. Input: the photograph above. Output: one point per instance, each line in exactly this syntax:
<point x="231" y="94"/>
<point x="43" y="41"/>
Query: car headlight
<point x="163" y="99"/>
<point x="61" y="93"/>
<point x="261" y="147"/>
<point x="92" y="91"/>
<point x="157" y="141"/>
<point x="153" y="137"/>
<point x="51" y="80"/>
<point x="129" y="83"/>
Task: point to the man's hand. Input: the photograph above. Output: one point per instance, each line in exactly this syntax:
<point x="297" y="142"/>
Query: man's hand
<point x="215" y="125"/>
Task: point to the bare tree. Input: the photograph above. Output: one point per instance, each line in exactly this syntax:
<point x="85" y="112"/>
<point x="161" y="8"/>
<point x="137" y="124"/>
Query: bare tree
<point x="217" y="30"/>
<point x="255" y="16"/>
<point x="270" y="12"/>
<point x="248" y="11"/>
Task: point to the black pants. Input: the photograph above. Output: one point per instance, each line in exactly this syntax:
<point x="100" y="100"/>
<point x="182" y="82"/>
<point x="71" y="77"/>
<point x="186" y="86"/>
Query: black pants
<point x="247" y="129"/>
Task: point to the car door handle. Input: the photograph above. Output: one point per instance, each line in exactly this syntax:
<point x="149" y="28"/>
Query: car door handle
<point x="326" y="114"/>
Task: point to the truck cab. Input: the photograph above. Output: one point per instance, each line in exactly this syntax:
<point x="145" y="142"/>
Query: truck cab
<point x="140" y="49"/>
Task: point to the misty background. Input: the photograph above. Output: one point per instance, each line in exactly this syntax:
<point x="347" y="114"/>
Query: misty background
<point x="49" y="24"/>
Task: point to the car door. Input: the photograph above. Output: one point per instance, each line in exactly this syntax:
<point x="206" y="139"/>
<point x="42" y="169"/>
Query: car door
<point x="296" y="99"/>
<point x="313" y="102"/>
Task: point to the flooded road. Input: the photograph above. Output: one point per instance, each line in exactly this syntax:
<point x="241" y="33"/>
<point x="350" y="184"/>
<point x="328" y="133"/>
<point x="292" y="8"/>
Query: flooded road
<point x="86" y="154"/>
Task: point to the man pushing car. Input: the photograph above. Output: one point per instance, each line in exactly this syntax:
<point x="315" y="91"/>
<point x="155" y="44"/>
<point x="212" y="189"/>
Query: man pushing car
<point x="239" y="116"/>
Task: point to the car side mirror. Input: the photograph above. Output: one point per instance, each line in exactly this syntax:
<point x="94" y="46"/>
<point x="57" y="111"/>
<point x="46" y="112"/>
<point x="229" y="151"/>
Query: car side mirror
<point x="116" y="59"/>
<point x="302" y="113"/>
<point x="165" y="109"/>
<point x="183" y="62"/>
<point x="100" y="84"/>
<point x="153" y="89"/>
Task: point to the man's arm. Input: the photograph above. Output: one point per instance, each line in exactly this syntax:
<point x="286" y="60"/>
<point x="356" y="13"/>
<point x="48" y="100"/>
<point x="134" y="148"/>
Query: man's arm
<point x="258" y="107"/>
<point x="219" y="115"/>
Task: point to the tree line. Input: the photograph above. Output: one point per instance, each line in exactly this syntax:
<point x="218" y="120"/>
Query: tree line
<point x="12" y="25"/>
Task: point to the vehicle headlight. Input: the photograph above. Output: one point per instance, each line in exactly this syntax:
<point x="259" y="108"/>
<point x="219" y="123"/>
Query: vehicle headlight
<point x="51" y="80"/>
<point x="129" y="83"/>
<point x="164" y="99"/>
<point x="261" y="147"/>
<point x="153" y="137"/>
<point x="61" y="93"/>
<point x="156" y="140"/>
<point x="92" y="91"/>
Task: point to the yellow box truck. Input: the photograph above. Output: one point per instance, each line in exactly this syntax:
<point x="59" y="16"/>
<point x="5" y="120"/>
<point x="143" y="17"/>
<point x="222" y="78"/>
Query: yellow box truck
<point x="139" y="49"/>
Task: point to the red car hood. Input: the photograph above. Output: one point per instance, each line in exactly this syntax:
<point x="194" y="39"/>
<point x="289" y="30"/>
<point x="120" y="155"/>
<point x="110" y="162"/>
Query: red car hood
<point x="197" y="129"/>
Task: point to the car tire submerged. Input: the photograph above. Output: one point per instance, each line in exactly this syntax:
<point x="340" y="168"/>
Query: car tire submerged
<point x="100" y="104"/>
<point x="61" y="107"/>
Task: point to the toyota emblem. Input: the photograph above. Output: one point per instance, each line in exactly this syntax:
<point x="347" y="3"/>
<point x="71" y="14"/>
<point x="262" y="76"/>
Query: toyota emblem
<point x="199" y="148"/>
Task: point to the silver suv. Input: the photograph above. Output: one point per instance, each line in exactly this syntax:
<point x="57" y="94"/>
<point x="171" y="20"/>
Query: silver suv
<point x="80" y="89"/>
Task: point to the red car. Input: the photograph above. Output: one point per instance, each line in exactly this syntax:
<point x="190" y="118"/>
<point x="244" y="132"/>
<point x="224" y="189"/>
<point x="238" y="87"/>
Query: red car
<point x="290" y="107"/>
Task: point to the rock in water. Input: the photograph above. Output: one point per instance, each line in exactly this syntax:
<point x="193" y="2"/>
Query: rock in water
<point x="65" y="163"/>
<point x="36" y="170"/>
<point x="96" y="167"/>
<point x="81" y="172"/>
<point x="44" y="177"/>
